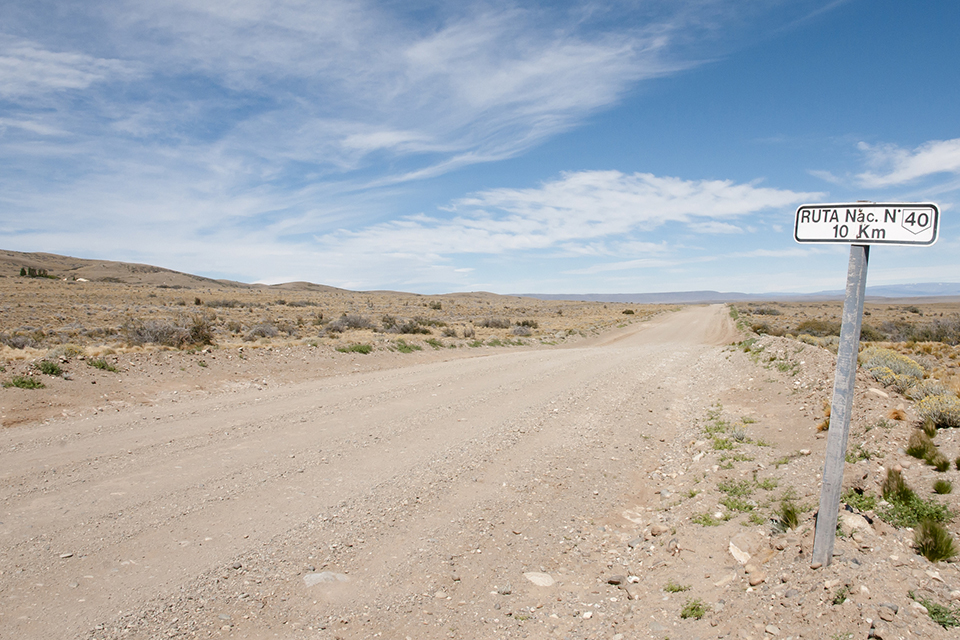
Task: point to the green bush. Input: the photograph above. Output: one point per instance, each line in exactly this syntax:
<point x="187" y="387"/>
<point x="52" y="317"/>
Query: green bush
<point x="920" y="445"/>
<point x="356" y="348"/>
<point x="404" y="347"/>
<point x="933" y="541"/>
<point x="694" y="608"/>
<point x="906" y="509"/>
<point x="943" y="487"/>
<point x="24" y="382"/>
<point x="819" y="328"/>
<point x="943" y="410"/>
<point x="49" y="368"/>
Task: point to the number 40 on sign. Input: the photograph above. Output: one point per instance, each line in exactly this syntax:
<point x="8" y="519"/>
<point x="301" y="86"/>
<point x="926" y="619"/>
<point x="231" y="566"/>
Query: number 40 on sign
<point x="868" y="223"/>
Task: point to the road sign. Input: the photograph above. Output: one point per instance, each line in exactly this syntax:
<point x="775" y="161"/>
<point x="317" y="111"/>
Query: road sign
<point x="868" y="223"/>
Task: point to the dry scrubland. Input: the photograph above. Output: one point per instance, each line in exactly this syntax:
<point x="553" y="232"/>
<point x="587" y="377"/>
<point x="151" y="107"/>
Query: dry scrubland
<point x="40" y="315"/>
<point x="648" y="485"/>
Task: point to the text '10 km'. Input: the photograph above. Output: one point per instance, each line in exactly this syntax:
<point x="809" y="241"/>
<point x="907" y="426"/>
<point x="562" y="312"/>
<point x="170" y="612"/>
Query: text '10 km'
<point x="868" y="223"/>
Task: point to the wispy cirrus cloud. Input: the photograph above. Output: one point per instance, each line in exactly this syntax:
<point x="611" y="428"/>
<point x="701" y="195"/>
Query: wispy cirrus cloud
<point x="589" y="213"/>
<point x="27" y="69"/>
<point x="892" y="165"/>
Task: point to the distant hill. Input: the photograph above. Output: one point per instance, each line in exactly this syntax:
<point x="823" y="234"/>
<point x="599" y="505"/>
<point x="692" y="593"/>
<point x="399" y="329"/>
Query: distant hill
<point x="142" y="274"/>
<point x="945" y="290"/>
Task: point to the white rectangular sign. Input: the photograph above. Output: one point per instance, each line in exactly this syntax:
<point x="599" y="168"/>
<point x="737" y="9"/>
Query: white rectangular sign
<point x="868" y="223"/>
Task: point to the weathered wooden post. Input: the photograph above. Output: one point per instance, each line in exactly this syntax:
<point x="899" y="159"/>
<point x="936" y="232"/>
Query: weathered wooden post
<point x="860" y="225"/>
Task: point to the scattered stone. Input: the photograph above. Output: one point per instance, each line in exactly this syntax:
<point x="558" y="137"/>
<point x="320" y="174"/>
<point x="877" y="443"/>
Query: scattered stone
<point x="617" y="580"/>
<point x="636" y="542"/>
<point x="658" y="529"/>
<point x="539" y="579"/>
<point x="587" y="615"/>
<point x="505" y="590"/>
<point x="64" y="556"/>
<point x="886" y="614"/>
<point x="236" y="565"/>
<point x="791" y="593"/>
<point x="312" y="579"/>
<point x="739" y="554"/>
<point x="890" y="606"/>
<point x="772" y="630"/>
<point x="757" y="578"/>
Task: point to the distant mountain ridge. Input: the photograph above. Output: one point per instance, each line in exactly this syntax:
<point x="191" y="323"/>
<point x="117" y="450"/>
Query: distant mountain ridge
<point x="141" y="274"/>
<point x="947" y="290"/>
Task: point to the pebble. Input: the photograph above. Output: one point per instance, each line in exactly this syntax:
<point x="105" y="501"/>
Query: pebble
<point x="505" y="590"/>
<point x="886" y="614"/>
<point x="617" y="580"/>
<point x="539" y="579"/>
<point x="658" y="529"/>
<point x="311" y="579"/>
<point x="772" y="630"/>
<point x="757" y="578"/>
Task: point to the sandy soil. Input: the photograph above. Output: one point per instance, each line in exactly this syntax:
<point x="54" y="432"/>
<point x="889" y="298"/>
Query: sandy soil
<point x="543" y="491"/>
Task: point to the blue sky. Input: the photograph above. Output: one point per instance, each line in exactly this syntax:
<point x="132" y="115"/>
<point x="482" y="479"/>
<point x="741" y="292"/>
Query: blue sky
<point x="657" y="145"/>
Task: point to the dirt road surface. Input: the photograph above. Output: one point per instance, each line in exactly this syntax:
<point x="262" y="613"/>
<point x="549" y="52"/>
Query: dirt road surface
<point x="426" y="501"/>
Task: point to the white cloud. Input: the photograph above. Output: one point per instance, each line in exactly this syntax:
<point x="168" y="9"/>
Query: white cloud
<point x="27" y="68"/>
<point x="893" y="165"/>
<point x="571" y="214"/>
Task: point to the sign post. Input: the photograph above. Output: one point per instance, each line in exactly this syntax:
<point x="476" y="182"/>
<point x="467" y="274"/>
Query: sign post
<point x="860" y="225"/>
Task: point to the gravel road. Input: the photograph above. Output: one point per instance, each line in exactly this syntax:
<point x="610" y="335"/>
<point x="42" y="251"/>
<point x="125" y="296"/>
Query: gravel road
<point x="388" y="502"/>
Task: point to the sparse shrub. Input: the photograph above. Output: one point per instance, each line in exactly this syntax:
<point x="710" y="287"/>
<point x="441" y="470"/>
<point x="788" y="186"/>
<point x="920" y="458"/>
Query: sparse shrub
<point x="944" y="616"/>
<point x="412" y="327"/>
<point x="449" y="332"/>
<point x="262" y="330"/>
<point x="17" y="341"/>
<point x="49" y="368"/>
<point x="871" y="334"/>
<point x="939" y="462"/>
<point x="197" y="301"/>
<point x="475" y="343"/>
<point x="628" y="312"/>
<point x="349" y="321"/>
<point x="920" y="445"/>
<point x="705" y="519"/>
<point x="226" y="304"/>
<point x="531" y="324"/>
<point x="764" y="328"/>
<point x="196" y="330"/>
<point x="819" y="328"/>
<point x="24" y="382"/>
<point x="925" y="388"/>
<point x="404" y="347"/>
<point x="433" y="342"/>
<point x="356" y="348"/>
<point x="890" y="368"/>
<point x="765" y="311"/>
<point x="521" y="331"/>
<point x="694" y="608"/>
<point x="66" y="351"/>
<point x="673" y="587"/>
<point x="859" y="500"/>
<point x="906" y="509"/>
<point x="933" y="541"/>
<point x="103" y="365"/>
<point x="234" y="327"/>
<point x="495" y="323"/>
<point x="841" y="595"/>
<point x="895" y="488"/>
<point x="929" y="427"/>
<point x="943" y="410"/>
<point x="468" y="332"/>
<point x="943" y="487"/>
<point x="436" y="305"/>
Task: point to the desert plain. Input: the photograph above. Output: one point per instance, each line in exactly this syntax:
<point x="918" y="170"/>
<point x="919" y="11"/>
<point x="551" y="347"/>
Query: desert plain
<point x="306" y="462"/>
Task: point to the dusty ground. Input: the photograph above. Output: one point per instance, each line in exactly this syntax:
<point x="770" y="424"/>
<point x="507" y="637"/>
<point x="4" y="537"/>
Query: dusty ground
<point x="572" y="483"/>
<point x="422" y="495"/>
